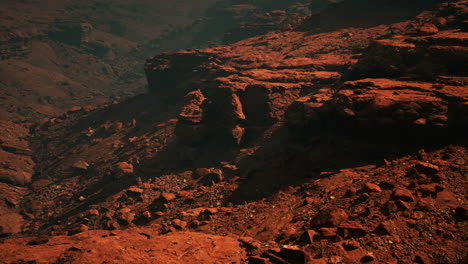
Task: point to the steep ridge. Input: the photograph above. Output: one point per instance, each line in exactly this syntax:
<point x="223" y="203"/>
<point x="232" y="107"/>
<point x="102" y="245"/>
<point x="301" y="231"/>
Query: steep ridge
<point x="335" y="147"/>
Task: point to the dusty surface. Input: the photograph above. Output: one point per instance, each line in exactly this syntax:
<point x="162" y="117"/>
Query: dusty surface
<point x="315" y="145"/>
<point x="129" y="246"/>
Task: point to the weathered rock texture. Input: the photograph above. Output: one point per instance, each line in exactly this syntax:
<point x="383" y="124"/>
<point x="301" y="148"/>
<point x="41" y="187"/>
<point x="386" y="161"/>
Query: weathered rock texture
<point x="324" y="146"/>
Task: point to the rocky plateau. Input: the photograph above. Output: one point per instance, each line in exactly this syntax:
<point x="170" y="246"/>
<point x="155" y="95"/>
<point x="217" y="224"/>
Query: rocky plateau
<point x="333" y="135"/>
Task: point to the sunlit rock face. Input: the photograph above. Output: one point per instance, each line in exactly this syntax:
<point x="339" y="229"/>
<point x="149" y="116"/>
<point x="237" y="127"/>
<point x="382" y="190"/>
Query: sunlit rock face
<point x="338" y="138"/>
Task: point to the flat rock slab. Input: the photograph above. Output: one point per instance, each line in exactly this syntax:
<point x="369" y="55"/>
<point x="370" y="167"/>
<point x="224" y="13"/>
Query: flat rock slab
<point x="128" y="246"/>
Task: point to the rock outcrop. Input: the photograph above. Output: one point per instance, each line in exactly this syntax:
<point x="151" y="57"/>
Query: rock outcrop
<point x="414" y="86"/>
<point x="242" y="91"/>
<point x="345" y="146"/>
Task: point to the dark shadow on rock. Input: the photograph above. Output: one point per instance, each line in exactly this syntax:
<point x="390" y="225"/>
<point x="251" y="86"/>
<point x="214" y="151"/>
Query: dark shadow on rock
<point x="291" y="159"/>
<point x="364" y="13"/>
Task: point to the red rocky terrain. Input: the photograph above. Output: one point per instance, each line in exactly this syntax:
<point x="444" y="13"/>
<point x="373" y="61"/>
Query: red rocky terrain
<point x="340" y="142"/>
<point x="62" y="53"/>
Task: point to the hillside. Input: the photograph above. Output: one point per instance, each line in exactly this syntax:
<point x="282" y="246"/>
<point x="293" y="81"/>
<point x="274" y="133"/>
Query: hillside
<point x="338" y="139"/>
<point x="75" y="53"/>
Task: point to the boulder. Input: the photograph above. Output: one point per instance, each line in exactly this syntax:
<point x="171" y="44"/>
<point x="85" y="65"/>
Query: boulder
<point x="403" y="195"/>
<point x="330" y="218"/>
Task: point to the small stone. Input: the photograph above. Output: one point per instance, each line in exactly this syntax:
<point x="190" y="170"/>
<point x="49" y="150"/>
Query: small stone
<point x="328" y="232"/>
<point x="418" y="215"/>
<point x="159" y="213"/>
<point x="146" y="215"/>
<point x="210" y="211"/>
<point x="167" y="197"/>
<point x="430" y="189"/>
<point x="179" y="224"/>
<point x="80" y="164"/>
<point x="93" y="212"/>
<point x="184" y="194"/>
<point x="74" y="109"/>
<point x="353" y="229"/>
<point x="125" y="210"/>
<point x="420" y="122"/>
<point x="403" y="194"/>
<point x="411" y="222"/>
<point x="387" y="228"/>
<point x="370" y="187"/>
<point x="426" y="204"/>
<point x="309" y="200"/>
<point x="348" y="112"/>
